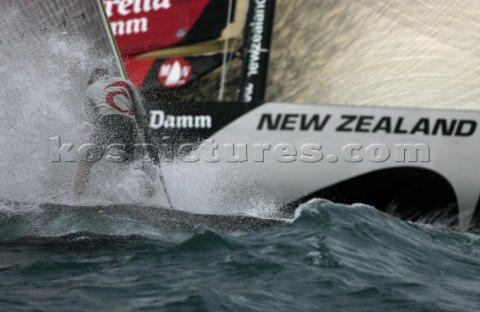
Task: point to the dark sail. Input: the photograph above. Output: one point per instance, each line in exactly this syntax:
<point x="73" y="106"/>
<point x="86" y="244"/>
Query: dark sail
<point x="172" y="48"/>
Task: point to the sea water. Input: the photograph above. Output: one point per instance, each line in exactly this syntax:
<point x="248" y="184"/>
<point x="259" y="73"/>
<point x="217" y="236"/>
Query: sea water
<point x="331" y="257"/>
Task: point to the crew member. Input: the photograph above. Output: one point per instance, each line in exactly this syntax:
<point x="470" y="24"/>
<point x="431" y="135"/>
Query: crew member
<point x="117" y="113"/>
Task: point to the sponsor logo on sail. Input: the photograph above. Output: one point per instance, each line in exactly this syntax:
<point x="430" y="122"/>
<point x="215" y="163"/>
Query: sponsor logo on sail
<point x="255" y="48"/>
<point x="119" y="9"/>
<point x="175" y="73"/>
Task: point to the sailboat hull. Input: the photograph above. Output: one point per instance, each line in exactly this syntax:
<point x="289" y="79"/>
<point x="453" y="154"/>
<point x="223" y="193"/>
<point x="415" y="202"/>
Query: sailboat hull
<point x="344" y="153"/>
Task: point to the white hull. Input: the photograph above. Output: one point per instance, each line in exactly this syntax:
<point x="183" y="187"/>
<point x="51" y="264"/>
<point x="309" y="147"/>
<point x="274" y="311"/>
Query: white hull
<point x="453" y="157"/>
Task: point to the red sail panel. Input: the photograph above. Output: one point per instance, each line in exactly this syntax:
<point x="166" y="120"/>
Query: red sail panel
<point x="137" y="70"/>
<point x="145" y="25"/>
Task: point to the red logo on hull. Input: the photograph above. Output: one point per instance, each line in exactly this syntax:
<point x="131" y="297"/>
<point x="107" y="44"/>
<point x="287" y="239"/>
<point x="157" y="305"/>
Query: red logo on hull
<point x="175" y="73"/>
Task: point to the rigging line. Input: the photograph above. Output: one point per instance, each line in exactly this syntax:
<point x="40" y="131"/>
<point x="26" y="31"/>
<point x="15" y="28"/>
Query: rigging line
<point x="225" y="52"/>
<point x="236" y="41"/>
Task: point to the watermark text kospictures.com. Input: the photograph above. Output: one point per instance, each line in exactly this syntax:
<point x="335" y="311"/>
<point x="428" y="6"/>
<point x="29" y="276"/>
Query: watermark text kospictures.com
<point x="210" y="152"/>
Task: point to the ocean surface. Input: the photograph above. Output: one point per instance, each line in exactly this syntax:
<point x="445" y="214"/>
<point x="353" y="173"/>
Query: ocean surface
<point x="329" y="258"/>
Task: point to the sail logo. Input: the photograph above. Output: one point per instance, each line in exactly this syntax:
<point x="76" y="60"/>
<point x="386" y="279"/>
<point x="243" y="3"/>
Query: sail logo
<point x="257" y="38"/>
<point x="118" y="10"/>
<point x="175" y="72"/>
<point x="127" y="7"/>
